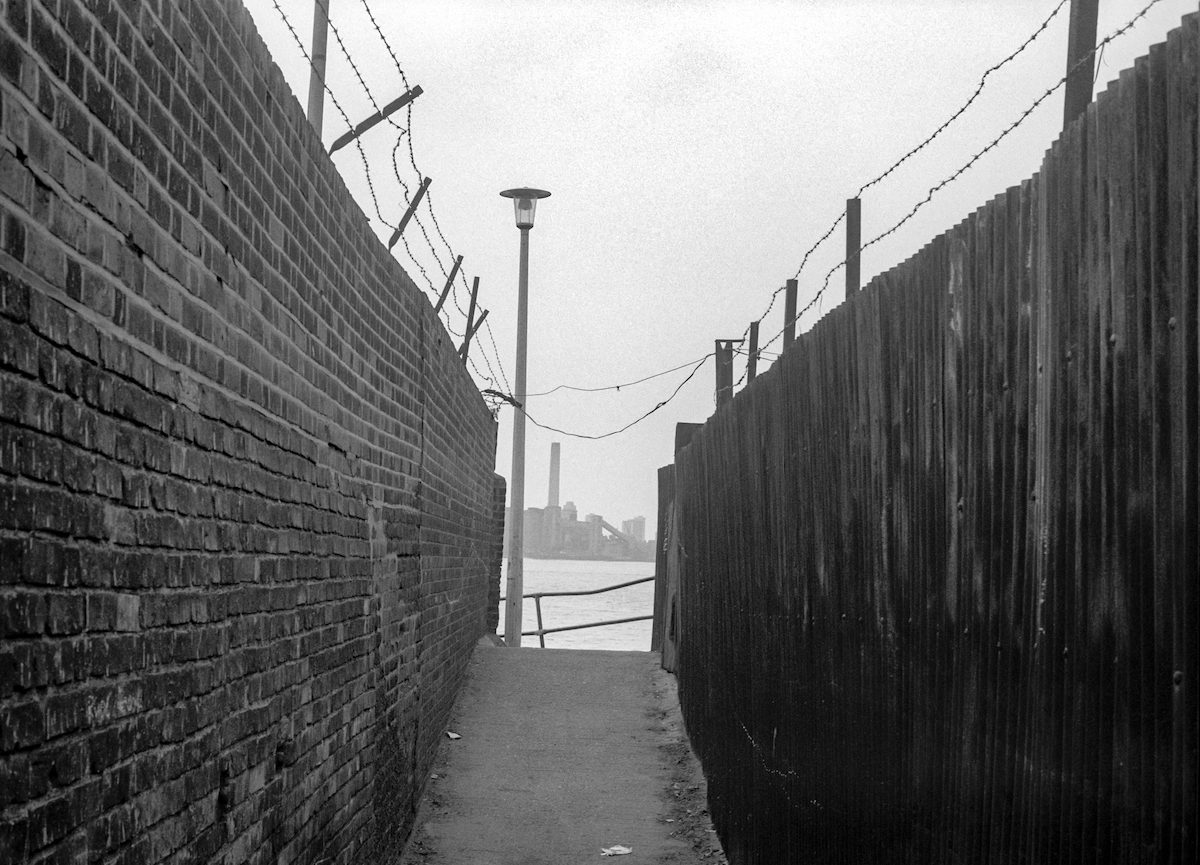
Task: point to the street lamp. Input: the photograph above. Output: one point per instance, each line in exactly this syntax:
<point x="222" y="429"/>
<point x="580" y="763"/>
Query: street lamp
<point x="524" y="204"/>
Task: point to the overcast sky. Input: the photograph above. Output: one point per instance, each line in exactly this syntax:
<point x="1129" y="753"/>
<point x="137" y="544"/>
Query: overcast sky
<point x="694" y="150"/>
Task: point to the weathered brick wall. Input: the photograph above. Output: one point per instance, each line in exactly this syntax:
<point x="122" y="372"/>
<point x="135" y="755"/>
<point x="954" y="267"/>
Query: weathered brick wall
<point x="246" y="488"/>
<point x="499" y="496"/>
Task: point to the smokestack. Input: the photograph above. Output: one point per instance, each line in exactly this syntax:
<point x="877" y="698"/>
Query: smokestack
<point x="553" y="499"/>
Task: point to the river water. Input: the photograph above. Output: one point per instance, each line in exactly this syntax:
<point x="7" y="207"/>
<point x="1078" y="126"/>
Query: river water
<point x="562" y="575"/>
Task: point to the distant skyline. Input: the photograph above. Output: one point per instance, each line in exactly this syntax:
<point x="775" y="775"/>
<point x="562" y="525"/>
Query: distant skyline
<point x="694" y="151"/>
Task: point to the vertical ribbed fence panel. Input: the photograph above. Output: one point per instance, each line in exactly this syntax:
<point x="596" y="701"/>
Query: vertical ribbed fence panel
<point x="938" y="565"/>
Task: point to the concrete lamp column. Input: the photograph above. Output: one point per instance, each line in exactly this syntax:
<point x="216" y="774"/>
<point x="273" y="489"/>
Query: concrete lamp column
<point x="524" y="204"/>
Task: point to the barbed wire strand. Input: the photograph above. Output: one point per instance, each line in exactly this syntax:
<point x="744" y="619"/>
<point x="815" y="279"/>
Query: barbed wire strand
<point x="402" y="133"/>
<point x="882" y="176"/>
<point x="413" y="161"/>
<point x="336" y="104"/>
<point x="1120" y="31"/>
<point x="918" y="148"/>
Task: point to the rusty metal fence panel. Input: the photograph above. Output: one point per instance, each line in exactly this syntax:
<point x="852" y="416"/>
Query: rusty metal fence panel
<point x="938" y="566"/>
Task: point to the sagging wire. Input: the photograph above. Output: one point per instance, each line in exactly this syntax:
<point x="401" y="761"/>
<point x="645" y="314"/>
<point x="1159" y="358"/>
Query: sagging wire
<point x="516" y="405"/>
<point x="626" y="384"/>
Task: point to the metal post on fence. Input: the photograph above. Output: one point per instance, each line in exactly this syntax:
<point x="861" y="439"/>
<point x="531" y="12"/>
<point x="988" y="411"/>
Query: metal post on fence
<point x="316" y="78"/>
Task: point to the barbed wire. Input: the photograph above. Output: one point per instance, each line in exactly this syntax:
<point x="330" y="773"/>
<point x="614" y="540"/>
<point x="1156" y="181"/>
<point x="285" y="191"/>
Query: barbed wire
<point x="487" y="325"/>
<point x="402" y="134"/>
<point x="918" y="148"/>
<point x="406" y="133"/>
<point x="366" y="168"/>
<point x="958" y="113"/>
<point x="413" y="161"/>
<point x="1120" y="31"/>
<point x="346" y="117"/>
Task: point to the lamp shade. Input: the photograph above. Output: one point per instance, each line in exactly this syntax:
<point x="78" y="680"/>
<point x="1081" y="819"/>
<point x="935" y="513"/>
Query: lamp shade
<point x="525" y="203"/>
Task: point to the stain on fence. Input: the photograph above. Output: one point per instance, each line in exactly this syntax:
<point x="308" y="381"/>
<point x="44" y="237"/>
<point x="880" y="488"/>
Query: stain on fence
<point x="938" y="566"/>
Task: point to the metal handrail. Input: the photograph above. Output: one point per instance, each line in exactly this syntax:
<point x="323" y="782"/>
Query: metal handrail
<point x="542" y="630"/>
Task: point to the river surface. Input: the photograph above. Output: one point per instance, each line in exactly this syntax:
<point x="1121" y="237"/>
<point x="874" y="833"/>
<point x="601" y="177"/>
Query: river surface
<point x="564" y="575"/>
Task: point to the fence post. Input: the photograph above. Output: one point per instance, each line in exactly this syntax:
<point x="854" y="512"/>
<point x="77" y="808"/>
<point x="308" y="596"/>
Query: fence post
<point x="752" y="360"/>
<point x="666" y="504"/>
<point x="789" y="314"/>
<point x="724" y="354"/>
<point x="853" y="245"/>
<point x="1081" y="47"/>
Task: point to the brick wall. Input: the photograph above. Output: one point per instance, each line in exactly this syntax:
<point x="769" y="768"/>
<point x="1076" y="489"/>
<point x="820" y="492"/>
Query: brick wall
<point x="496" y="561"/>
<point x="247" y="520"/>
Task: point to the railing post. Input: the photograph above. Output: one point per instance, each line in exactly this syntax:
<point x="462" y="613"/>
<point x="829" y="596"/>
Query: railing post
<point x="537" y="602"/>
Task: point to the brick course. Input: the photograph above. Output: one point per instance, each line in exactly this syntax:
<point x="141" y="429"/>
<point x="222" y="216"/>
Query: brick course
<point x="248" y="520"/>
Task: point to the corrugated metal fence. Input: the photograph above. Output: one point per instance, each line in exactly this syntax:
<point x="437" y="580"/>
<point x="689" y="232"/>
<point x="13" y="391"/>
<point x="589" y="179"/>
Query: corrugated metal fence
<point x="938" y="567"/>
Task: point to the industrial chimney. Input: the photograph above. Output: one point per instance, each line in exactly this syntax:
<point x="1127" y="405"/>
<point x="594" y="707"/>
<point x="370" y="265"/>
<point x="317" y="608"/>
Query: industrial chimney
<point x="553" y="498"/>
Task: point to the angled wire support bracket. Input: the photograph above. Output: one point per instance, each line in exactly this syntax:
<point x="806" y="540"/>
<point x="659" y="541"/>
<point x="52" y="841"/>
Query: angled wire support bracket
<point x="408" y="214"/>
<point x="466" y="346"/>
<point x="378" y="117"/>
<point x="449" y="285"/>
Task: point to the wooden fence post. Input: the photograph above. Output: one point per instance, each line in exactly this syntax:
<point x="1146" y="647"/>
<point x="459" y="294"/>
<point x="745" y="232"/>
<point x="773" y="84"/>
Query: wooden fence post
<point x="752" y="360"/>
<point x="853" y="245"/>
<point x="1081" y="59"/>
<point x="724" y="352"/>
<point x="789" y="314"/>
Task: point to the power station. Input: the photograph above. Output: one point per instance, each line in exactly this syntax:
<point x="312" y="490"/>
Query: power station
<point x="556" y="532"/>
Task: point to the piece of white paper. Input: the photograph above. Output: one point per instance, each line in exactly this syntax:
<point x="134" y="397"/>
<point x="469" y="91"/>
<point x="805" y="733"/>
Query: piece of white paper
<point x="450" y="735"/>
<point x="616" y="850"/>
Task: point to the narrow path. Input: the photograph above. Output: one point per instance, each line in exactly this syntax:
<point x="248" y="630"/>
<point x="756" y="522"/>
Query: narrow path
<point x="563" y="754"/>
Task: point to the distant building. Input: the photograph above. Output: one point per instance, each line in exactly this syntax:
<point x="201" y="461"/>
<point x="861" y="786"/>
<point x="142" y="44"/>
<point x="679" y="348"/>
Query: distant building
<point x="555" y="532"/>
<point x="635" y="528"/>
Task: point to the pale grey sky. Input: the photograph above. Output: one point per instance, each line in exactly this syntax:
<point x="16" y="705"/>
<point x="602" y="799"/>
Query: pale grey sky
<point x="694" y="150"/>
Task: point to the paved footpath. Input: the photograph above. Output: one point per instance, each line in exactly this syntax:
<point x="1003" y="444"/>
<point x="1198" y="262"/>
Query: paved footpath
<point x="563" y="754"/>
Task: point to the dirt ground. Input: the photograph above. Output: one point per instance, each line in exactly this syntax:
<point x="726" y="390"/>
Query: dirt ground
<point x="687" y="794"/>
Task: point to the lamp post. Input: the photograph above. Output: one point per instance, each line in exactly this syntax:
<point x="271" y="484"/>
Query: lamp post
<point x="524" y="203"/>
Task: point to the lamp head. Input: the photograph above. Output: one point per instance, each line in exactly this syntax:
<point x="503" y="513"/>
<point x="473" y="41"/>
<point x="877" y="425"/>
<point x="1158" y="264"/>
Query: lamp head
<point x="525" y="203"/>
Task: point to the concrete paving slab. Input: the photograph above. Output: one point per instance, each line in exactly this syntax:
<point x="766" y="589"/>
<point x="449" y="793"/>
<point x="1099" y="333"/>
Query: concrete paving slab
<point x="565" y="753"/>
